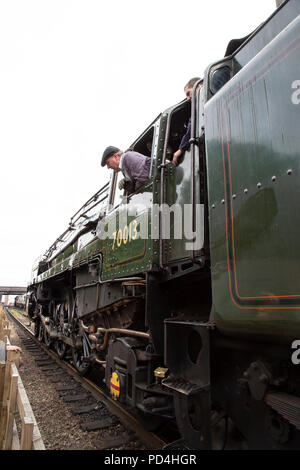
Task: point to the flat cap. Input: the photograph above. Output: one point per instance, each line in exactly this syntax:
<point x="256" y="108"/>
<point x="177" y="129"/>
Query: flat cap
<point x="108" y="152"/>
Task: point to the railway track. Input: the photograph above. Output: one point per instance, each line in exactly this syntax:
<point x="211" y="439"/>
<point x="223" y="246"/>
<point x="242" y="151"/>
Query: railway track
<point x="99" y="410"/>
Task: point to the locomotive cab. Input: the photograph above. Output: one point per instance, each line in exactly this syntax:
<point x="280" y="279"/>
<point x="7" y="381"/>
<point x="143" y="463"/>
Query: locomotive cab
<point x="154" y="239"/>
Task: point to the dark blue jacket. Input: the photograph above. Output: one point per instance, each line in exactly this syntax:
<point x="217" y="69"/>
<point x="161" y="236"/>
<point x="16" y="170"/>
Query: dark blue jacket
<point x="186" y="138"/>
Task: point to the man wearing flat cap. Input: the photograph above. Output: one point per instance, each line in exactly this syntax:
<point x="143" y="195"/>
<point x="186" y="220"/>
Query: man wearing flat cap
<point x="134" y="166"/>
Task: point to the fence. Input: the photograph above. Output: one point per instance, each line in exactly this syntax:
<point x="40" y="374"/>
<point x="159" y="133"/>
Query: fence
<point x="14" y="402"/>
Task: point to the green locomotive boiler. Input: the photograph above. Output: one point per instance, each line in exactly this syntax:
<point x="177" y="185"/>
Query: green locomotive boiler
<point x="185" y="293"/>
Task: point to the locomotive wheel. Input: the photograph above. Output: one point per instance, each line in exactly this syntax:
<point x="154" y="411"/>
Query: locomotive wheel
<point x="193" y="419"/>
<point x="60" y="348"/>
<point x="41" y="332"/>
<point x="150" y="422"/>
<point x="47" y="338"/>
<point x="36" y="328"/>
<point x="61" y="315"/>
<point x="80" y="355"/>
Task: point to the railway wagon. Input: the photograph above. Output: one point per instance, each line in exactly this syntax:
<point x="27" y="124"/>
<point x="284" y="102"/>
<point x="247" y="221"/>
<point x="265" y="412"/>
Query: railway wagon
<point x="185" y="293"/>
<point x="20" y="301"/>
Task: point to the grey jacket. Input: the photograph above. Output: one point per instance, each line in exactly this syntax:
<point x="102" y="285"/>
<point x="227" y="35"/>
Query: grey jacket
<point x="136" y="167"/>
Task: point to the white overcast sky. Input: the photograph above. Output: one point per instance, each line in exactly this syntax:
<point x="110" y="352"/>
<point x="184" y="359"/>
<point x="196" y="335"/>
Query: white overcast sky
<point x="79" y="75"/>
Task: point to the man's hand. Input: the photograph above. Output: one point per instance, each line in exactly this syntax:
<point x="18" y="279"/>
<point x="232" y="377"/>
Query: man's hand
<point x="10" y="347"/>
<point x="124" y="184"/>
<point x="176" y="157"/>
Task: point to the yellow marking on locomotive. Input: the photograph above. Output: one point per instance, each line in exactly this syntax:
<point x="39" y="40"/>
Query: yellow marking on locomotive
<point x="127" y="234"/>
<point x="114" y="386"/>
<point x="160" y="372"/>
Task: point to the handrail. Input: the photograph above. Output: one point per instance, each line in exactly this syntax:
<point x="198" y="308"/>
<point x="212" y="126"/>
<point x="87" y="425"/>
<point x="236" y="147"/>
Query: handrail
<point x="79" y="215"/>
<point x="193" y="143"/>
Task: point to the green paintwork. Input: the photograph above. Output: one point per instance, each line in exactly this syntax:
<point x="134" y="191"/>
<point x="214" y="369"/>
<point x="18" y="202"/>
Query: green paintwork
<point x="124" y="252"/>
<point x="253" y="141"/>
<point x="179" y="195"/>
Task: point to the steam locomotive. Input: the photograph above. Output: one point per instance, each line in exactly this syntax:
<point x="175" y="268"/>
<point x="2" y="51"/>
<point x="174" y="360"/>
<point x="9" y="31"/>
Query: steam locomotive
<point x="185" y="293"/>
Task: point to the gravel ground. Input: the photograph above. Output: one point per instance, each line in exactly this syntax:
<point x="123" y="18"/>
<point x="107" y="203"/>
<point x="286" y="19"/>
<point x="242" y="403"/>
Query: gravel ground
<point x="59" y="428"/>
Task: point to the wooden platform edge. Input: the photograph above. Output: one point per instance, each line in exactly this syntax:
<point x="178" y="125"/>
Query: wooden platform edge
<point x="13" y="399"/>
